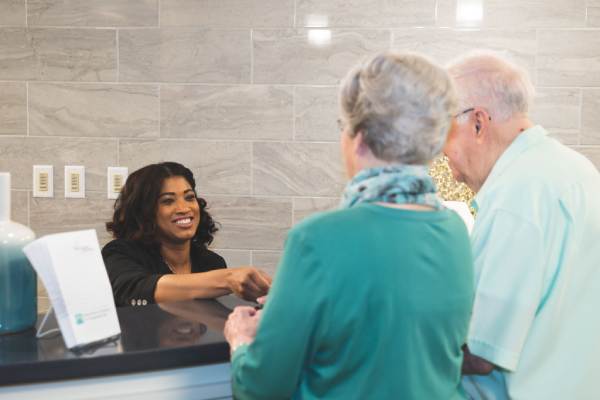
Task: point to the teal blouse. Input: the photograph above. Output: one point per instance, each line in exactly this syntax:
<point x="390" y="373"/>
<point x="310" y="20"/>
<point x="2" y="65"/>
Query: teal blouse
<point x="368" y="302"/>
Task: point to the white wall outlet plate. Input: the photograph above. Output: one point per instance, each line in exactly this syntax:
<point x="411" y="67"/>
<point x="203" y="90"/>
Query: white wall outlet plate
<point x="116" y="177"/>
<point x="43" y="181"/>
<point x="74" y="181"/>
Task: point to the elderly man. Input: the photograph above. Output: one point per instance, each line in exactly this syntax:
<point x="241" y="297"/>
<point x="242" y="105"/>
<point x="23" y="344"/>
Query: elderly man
<point x="535" y="328"/>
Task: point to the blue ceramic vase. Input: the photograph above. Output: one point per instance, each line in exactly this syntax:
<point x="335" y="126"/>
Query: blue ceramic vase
<point x="18" y="281"/>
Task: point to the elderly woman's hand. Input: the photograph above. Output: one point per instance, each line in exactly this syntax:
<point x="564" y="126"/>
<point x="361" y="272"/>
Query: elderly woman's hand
<point x="241" y="326"/>
<point x="248" y="282"/>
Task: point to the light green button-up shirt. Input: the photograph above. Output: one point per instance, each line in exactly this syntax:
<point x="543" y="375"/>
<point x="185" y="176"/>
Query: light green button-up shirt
<point x="537" y="273"/>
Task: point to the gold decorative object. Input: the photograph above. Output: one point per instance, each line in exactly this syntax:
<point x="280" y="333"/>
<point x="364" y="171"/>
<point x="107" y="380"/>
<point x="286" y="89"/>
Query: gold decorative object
<point x="448" y="187"/>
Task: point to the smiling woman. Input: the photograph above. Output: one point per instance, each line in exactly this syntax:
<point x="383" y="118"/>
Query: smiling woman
<point x="160" y="253"/>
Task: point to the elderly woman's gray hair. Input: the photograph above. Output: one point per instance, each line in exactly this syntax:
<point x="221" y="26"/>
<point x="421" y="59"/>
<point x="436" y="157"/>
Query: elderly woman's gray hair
<point x="403" y="105"/>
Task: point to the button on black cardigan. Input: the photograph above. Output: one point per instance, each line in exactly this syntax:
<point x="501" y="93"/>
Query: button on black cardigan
<point x="134" y="268"/>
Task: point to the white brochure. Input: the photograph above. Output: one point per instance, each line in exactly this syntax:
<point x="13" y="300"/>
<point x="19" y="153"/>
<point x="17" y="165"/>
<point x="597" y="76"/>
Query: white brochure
<point x="71" y="267"/>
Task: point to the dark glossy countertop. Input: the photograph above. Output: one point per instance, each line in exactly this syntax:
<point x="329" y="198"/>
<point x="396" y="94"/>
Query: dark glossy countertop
<point x="153" y="337"/>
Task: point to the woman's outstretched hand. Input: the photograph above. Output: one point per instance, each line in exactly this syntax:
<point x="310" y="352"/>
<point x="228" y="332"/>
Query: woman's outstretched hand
<point x="249" y="283"/>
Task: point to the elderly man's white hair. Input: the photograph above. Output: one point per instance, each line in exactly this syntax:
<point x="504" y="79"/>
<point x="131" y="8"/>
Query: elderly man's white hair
<point x="489" y="80"/>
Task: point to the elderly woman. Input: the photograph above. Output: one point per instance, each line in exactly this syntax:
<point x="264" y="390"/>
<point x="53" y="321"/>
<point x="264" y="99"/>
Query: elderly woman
<point x="162" y="230"/>
<point x="371" y="301"/>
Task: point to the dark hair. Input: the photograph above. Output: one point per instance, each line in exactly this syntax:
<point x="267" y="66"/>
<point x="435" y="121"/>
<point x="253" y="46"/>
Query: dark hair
<point x="134" y="217"/>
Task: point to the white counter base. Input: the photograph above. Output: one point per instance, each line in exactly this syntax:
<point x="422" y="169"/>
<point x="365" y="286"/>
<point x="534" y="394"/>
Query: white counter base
<point x="209" y="382"/>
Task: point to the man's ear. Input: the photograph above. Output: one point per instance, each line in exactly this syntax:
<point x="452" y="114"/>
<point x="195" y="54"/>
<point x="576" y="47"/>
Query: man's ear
<point x="482" y="121"/>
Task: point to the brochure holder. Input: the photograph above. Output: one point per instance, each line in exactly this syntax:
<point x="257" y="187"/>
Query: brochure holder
<point x="71" y="267"/>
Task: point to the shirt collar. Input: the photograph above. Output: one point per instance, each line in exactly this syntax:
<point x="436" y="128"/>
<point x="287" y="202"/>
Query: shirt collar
<point x="522" y="142"/>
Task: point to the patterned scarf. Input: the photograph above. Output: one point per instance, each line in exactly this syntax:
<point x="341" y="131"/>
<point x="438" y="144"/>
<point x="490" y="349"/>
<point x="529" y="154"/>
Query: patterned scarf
<point x="400" y="184"/>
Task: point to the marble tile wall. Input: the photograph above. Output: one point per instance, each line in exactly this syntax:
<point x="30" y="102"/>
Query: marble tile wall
<point x="245" y="94"/>
<point x="593" y="13"/>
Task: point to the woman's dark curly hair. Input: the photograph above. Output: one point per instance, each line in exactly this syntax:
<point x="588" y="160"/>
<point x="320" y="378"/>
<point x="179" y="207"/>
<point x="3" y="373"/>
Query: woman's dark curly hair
<point x="135" y="208"/>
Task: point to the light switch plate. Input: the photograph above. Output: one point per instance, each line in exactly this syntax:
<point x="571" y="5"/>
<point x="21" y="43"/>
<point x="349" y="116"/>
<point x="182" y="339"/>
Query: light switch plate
<point x="74" y="181"/>
<point x="116" y="177"/>
<point x="43" y="181"/>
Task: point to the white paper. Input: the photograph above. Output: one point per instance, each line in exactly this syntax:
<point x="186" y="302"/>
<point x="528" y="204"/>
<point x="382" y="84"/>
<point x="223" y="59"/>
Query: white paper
<point x="71" y="267"/>
<point x="462" y="209"/>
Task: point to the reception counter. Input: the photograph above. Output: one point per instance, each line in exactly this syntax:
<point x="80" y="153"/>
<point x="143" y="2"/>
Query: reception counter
<point x="166" y="351"/>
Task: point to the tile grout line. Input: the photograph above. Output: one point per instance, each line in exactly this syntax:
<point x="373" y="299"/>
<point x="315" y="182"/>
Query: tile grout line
<point x="252" y="169"/>
<point x="580" y="131"/>
<point x="293" y="212"/>
<point x="29" y="195"/>
<point x="251" y="56"/>
<point x="179" y="83"/>
<point x="27" y="106"/>
<point x="174" y="139"/>
<point x="159" y="111"/>
<point x="274" y="197"/>
<point x="158" y="12"/>
<point x="118" y="55"/>
<point x="536" y="58"/>
<point x="294" y="24"/>
<point x="339" y="28"/>
<point x="294" y="114"/>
